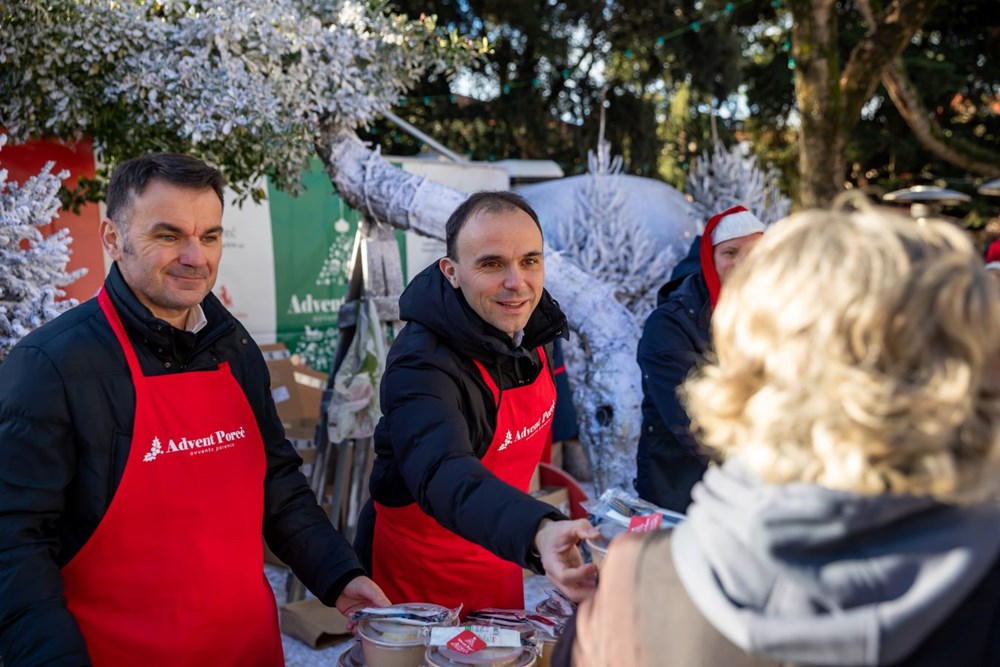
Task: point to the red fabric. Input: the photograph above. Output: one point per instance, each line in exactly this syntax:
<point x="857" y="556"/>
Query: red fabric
<point x="707" y="256"/>
<point x="172" y="576"/>
<point x="415" y="559"/>
<point x="993" y="252"/>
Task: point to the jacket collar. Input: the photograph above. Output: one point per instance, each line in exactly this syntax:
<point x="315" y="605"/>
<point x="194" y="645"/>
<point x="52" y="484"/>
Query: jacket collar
<point x="430" y="300"/>
<point x="156" y="333"/>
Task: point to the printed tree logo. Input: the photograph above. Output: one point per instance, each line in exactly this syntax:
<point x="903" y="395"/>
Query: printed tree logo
<point x="154" y="451"/>
<point x="334" y="270"/>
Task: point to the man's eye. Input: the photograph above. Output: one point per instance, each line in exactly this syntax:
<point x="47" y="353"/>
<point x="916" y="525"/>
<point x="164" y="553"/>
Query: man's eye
<point x="167" y="237"/>
<point x="210" y="239"/>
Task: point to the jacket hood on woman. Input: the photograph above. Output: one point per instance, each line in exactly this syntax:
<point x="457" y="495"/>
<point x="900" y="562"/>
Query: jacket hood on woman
<point x="806" y="574"/>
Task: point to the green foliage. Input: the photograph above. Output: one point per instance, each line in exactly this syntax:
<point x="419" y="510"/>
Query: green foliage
<point x="244" y="84"/>
<point x="552" y="64"/>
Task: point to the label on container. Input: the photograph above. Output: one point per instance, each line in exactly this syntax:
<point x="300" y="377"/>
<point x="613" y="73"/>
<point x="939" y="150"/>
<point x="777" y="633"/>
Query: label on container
<point x="472" y="638"/>
<point x="645" y="523"/>
<point x="466" y="642"/>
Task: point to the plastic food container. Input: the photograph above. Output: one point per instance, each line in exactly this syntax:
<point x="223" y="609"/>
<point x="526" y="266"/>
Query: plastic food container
<point x="353" y="656"/>
<point x="531" y="633"/>
<point x="442" y="656"/>
<point x="388" y="642"/>
<point x="548" y="646"/>
<point x="599" y="546"/>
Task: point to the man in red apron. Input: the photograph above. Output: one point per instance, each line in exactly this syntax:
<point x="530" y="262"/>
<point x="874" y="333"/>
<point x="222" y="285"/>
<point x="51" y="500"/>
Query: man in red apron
<point x="141" y="457"/>
<point x="467" y="402"/>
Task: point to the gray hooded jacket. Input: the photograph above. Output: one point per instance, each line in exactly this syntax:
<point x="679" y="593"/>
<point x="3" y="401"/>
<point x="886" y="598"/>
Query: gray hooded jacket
<point x="804" y="574"/>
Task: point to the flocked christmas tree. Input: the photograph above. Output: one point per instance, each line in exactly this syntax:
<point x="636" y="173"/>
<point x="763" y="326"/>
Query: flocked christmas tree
<point x="33" y="266"/>
<point x="601" y="240"/>
<point x="728" y="177"/>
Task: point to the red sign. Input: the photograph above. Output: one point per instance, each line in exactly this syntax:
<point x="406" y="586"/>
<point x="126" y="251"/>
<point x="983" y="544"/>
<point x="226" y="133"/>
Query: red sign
<point x="466" y="642"/>
<point x="645" y="523"/>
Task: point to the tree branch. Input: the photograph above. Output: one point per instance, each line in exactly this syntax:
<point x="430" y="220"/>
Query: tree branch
<point x="928" y="131"/>
<point x="885" y="40"/>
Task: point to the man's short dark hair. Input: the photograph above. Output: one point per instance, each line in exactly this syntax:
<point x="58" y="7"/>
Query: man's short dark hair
<point x="485" y="201"/>
<point x="131" y="177"/>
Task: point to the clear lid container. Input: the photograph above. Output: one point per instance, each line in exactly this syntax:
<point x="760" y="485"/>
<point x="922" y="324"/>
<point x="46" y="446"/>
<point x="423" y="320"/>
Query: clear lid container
<point x="402" y="624"/>
<point x="442" y="656"/>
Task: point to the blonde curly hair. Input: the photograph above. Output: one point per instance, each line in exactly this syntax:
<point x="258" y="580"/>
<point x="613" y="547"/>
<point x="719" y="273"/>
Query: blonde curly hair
<point x="857" y="350"/>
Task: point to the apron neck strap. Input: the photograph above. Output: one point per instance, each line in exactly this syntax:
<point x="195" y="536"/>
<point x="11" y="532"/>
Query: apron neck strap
<point x="119" y="330"/>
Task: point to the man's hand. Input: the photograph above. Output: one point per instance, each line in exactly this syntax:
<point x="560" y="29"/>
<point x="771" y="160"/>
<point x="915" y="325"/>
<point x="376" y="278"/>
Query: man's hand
<point x="360" y="593"/>
<point x="556" y="543"/>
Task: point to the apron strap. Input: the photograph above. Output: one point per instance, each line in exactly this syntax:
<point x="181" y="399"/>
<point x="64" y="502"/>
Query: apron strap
<point x="488" y="379"/>
<point x="119" y="330"/>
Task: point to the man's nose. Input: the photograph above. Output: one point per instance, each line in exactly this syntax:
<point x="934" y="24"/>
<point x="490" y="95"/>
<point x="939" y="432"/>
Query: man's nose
<point x="513" y="278"/>
<point x="193" y="254"/>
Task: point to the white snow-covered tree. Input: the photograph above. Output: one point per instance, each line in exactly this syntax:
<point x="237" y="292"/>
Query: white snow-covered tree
<point x="600" y="239"/>
<point x="244" y="84"/>
<point x="34" y="266"/>
<point x="727" y="177"/>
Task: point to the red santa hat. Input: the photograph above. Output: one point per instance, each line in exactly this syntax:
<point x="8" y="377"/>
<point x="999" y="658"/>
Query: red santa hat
<point x="734" y="223"/>
<point x="730" y="224"/>
<point x="993" y="256"/>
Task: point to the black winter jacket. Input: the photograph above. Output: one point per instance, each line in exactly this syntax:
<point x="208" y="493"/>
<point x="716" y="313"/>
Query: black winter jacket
<point x="675" y="336"/>
<point x="66" y="413"/>
<point x="438" y="419"/>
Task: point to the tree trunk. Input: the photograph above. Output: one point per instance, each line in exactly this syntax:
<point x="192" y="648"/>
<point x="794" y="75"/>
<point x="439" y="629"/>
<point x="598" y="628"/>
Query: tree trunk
<point x="822" y="164"/>
<point x="830" y="98"/>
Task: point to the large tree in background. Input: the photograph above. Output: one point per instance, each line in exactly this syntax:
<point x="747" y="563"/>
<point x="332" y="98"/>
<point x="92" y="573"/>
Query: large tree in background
<point x="824" y="84"/>
<point x="928" y="114"/>
<point x="554" y="62"/>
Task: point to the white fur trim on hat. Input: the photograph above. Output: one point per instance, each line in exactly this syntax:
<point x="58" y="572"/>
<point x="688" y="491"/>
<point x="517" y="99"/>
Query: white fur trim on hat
<point x="735" y="225"/>
<point x="993" y="266"/>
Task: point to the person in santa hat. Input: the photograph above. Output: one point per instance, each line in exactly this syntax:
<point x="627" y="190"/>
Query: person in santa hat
<point x="674" y="338"/>
<point x="993" y="260"/>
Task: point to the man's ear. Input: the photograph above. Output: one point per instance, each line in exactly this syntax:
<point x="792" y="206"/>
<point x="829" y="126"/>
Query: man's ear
<point x="449" y="270"/>
<point x="111" y="239"/>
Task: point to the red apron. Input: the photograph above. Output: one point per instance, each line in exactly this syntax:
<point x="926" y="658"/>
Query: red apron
<point x="415" y="559"/>
<point x="173" y="574"/>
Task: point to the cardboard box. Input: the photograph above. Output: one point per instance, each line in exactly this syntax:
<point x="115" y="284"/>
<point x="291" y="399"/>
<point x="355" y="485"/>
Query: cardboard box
<point x="557" y="454"/>
<point x="310" y="385"/>
<point x="297" y="392"/>
<point x="284" y="390"/>
<point x="314" y="623"/>
<point x="536" y="481"/>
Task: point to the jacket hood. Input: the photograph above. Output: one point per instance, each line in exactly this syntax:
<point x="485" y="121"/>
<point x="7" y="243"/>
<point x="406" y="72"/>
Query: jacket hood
<point x="431" y="301"/>
<point x="689" y="290"/>
<point x="802" y="573"/>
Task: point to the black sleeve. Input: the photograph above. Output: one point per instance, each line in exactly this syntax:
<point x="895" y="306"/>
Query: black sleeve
<point x="37" y="463"/>
<point x="666" y="356"/>
<point x="295" y="527"/>
<point x="670" y="462"/>
<point x="423" y="412"/>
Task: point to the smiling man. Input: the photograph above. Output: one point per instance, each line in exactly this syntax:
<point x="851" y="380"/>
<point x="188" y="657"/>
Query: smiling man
<point x="467" y="403"/>
<point x="141" y="457"/>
